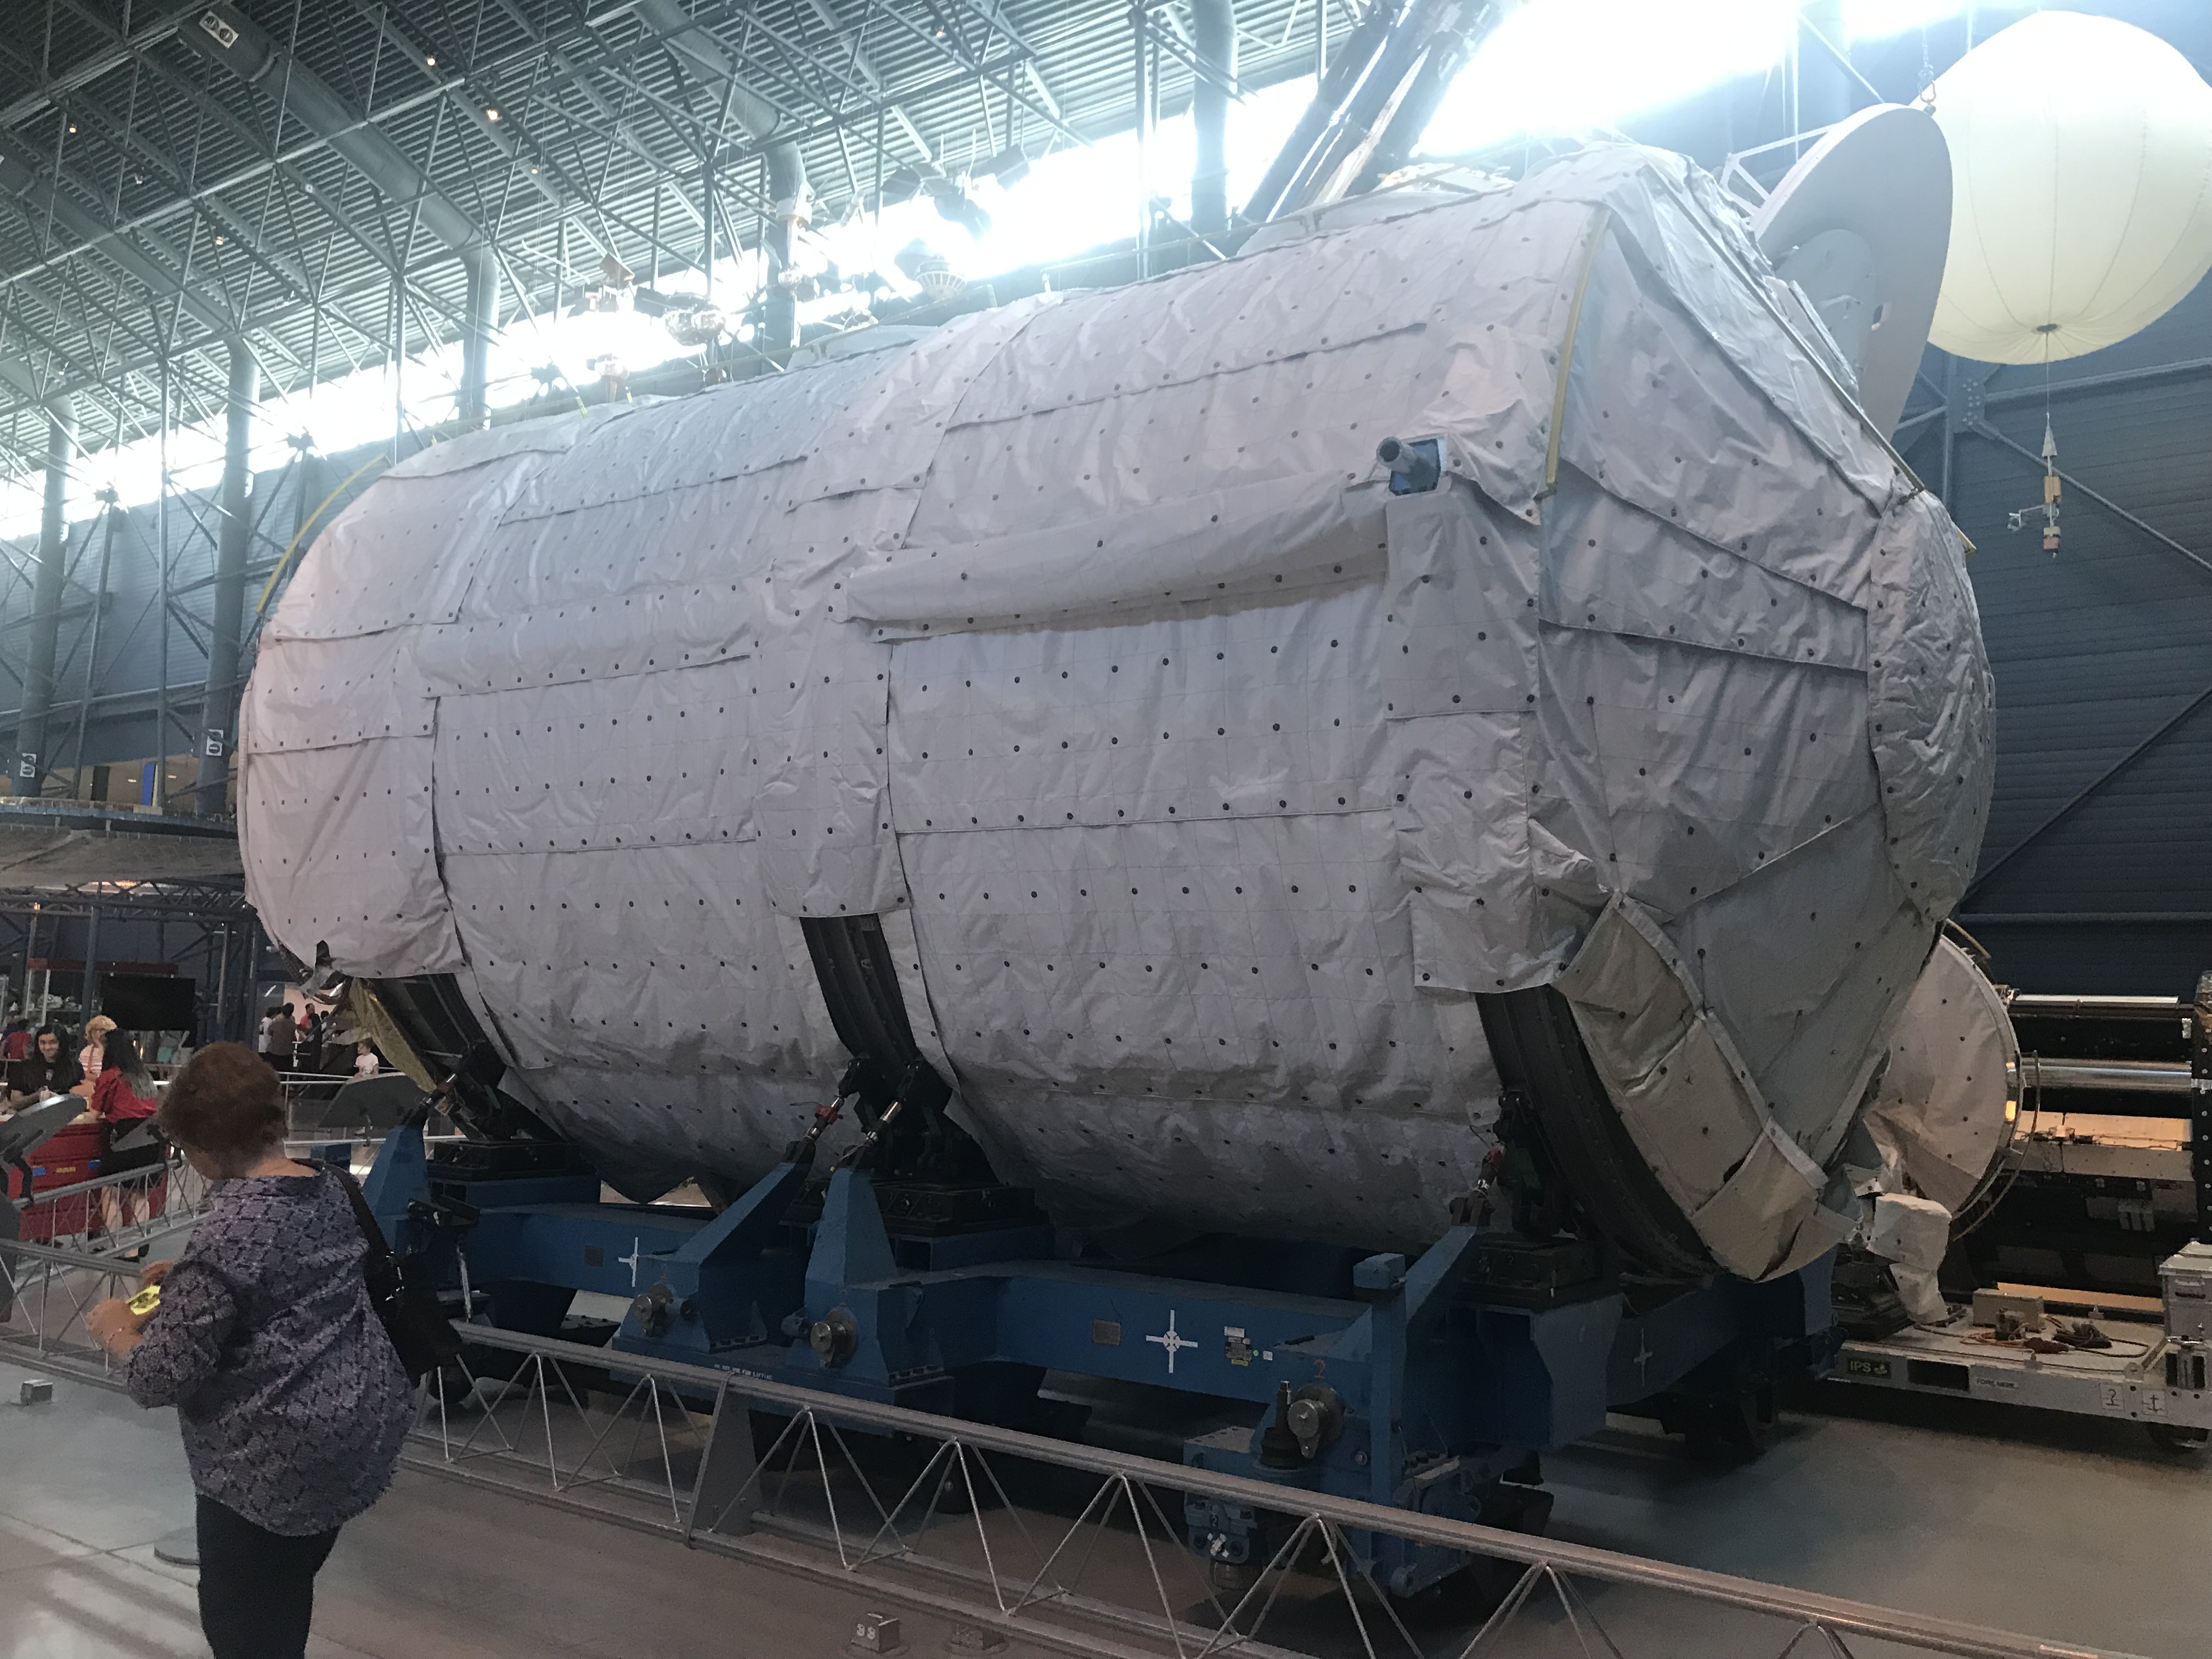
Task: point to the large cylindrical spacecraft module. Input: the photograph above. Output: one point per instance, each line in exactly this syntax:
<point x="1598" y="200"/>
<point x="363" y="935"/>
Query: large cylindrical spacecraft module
<point x="1232" y="807"/>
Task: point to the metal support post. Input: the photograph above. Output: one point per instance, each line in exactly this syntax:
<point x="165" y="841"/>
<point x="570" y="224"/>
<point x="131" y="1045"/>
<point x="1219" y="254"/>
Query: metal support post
<point x="1333" y="87"/>
<point x="1141" y="33"/>
<point x="33" y="753"/>
<point x="92" y="643"/>
<point x="160" y="791"/>
<point x="1953" y="391"/>
<point x="30" y="950"/>
<point x="219" y="705"/>
<point x="701" y="53"/>
<point x="88" y="1000"/>
<point x="398" y="365"/>
<point x="482" y="308"/>
<point x="2200" y="1107"/>
<point x="1213" y="25"/>
<point x="707" y="206"/>
<point x="229" y="963"/>
<point x="219" y="1015"/>
<point x="239" y="1013"/>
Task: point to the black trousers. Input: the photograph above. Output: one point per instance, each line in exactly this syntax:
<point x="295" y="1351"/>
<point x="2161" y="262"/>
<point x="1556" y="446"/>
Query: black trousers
<point x="256" y="1587"/>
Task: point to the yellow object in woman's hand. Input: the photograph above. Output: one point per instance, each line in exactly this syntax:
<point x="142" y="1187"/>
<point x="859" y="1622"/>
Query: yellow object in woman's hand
<point x="145" y="1302"/>
<point x="114" y="1325"/>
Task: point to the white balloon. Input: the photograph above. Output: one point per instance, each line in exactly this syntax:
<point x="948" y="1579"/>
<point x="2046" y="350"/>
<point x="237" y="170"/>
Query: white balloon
<point x="2082" y="193"/>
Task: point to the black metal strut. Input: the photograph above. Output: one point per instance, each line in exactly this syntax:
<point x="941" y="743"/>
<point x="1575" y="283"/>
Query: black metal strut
<point x="897" y="1093"/>
<point x="1559" y="1103"/>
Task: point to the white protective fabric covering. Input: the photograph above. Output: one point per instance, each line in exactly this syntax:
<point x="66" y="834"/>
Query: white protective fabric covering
<point x="1690" y="1102"/>
<point x="1912" y="1234"/>
<point x="1944" y="1112"/>
<point x="1202" y="783"/>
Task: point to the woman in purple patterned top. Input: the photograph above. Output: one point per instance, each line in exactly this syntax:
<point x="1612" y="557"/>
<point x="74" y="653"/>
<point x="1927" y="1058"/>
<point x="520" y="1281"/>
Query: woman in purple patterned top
<point x="291" y="1399"/>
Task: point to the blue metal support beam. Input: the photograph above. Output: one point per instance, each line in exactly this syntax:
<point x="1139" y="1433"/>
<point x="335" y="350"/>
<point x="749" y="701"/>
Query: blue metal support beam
<point x="1409" y="1384"/>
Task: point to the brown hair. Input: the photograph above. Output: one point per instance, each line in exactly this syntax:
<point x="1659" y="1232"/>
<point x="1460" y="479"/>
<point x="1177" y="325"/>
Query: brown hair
<point x="225" y="1101"/>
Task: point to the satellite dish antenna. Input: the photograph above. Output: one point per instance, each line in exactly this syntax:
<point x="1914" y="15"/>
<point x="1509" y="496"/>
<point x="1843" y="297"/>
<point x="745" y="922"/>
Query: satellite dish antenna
<point x="1862" y="224"/>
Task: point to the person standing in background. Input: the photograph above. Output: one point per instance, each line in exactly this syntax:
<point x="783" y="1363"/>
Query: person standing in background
<point x="124" y="1099"/>
<point x="18" y="1046"/>
<point x="365" y="1060"/>
<point x="89" y="1058"/>
<point x="278" y="1035"/>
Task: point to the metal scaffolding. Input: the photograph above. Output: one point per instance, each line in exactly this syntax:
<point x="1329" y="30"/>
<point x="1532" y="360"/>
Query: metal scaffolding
<point x="203" y="929"/>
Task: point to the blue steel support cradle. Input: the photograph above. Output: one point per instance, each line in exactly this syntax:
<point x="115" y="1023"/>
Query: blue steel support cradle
<point x="1426" y="1395"/>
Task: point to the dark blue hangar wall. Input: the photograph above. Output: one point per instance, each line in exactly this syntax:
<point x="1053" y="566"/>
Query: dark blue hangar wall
<point x="2096" y="873"/>
<point x="123" y="721"/>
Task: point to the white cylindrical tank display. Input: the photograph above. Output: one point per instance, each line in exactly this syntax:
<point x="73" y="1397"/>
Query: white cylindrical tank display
<point x="1204" y="779"/>
<point x="2081" y="187"/>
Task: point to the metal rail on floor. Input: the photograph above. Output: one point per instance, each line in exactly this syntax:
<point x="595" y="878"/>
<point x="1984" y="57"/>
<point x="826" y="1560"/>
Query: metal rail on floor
<point x="915" y="1509"/>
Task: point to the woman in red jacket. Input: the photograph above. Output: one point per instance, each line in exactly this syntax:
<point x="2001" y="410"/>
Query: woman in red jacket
<point x="123" y="1097"/>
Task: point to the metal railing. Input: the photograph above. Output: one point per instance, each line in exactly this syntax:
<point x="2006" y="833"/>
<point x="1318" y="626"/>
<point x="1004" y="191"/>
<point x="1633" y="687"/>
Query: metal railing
<point x="922" y="1510"/>
<point x="317" y="1088"/>
<point x="112" y="1214"/>
<point x="45" y="1294"/>
<point x="96" y="1235"/>
<point x="1012" y="1535"/>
